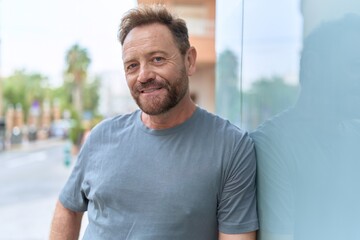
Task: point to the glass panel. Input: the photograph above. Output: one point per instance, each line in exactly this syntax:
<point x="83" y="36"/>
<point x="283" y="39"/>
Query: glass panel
<point x="308" y="155"/>
<point x="272" y="42"/>
<point x="257" y="59"/>
<point x="298" y="72"/>
<point x="229" y="54"/>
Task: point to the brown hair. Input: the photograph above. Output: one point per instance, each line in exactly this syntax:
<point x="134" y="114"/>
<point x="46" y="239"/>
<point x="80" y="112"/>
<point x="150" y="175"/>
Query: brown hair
<point x="156" y="13"/>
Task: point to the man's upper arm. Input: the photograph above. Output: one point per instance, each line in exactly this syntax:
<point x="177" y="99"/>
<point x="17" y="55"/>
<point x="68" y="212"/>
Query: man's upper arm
<point x="66" y="223"/>
<point x="242" y="236"/>
<point x="237" y="211"/>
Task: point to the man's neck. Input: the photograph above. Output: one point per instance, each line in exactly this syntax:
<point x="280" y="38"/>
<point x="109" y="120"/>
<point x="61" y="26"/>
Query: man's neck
<point x="175" y="116"/>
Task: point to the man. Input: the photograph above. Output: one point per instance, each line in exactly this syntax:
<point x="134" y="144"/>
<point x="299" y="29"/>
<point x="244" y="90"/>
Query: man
<point x="170" y="170"/>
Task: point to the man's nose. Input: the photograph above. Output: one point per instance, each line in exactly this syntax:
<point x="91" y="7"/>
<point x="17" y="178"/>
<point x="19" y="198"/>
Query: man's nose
<point x="146" y="74"/>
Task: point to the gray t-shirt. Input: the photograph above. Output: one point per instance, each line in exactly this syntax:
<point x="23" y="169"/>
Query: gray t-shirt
<point x="186" y="182"/>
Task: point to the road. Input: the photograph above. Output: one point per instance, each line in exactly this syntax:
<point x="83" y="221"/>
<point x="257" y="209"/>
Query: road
<point x="30" y="181"/>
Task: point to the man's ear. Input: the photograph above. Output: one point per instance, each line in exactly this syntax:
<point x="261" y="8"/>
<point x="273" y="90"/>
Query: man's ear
<point x="190" y="61"/>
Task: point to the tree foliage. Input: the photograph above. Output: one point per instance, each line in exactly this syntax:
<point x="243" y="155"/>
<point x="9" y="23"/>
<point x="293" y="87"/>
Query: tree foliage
<point x="268" y="97"/>
<point x="228" y="103"/>
<point x="24" y="89"/>
<point x="77" y="63"/>
<point x="91" y="97"/>
<point x="265" y="98"/>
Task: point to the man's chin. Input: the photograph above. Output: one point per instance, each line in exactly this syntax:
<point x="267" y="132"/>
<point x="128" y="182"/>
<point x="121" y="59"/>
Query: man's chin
<point x="153" y="112"/>
<point x="150" y="107"/>
<point x="157" y="105"/>
<point x="154" y="109"/>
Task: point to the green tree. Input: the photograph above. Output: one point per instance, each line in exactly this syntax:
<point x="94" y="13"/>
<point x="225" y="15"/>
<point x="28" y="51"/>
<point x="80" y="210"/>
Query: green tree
<point x="91" y="96"/>
<point x="79" y="93"/>
<point x="77" y="63"/>
<point x="268" y="97"/>
<point x="228" y="96"/>
<point x="25" y="89"/>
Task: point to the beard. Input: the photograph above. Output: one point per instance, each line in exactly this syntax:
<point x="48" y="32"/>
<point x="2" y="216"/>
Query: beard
<point x="159" y="104"/>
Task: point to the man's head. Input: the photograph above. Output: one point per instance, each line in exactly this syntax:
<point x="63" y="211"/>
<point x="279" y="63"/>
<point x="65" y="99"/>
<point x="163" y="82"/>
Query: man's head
<point x="148" y="14"/>
<point x="330" y="66"/>
<point x="157" y="58"/>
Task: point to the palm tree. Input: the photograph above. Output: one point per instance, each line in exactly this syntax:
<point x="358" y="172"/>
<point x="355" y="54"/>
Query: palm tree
<point x="77" y="61"/>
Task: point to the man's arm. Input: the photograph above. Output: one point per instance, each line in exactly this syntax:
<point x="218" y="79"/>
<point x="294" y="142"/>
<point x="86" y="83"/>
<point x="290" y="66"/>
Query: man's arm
<point x="242" y="236"/>
<point x="66" y="223"/>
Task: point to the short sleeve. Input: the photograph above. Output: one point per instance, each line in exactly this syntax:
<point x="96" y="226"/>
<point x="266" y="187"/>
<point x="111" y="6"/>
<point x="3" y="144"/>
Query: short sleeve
<point x="237" y="211"/>
<point x="75" y="190"/>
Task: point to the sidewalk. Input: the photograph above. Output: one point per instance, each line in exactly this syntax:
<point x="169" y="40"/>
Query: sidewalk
<point x="27" y="146"/>
<point x="29" y="191"/>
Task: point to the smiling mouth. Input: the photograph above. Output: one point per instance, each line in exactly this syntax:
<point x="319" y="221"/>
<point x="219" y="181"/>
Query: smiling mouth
<point x="150" y="90"/>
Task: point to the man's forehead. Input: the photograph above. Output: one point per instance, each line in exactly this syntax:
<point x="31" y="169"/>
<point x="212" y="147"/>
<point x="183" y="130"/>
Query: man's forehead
<point x="148" y="38"/>
<point x="148" y="30"/>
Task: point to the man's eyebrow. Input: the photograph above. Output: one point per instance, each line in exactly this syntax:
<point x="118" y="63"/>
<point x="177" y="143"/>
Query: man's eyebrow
<point x="156" y="52"/>
<point x="126" y="61"/>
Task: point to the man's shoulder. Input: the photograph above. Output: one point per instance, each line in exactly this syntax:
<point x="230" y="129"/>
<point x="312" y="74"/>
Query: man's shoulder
<point x="222" y="128"/>
<point x="117" y="122"/>
<point x="220" y="124"/>
<point x="280" y="126"/>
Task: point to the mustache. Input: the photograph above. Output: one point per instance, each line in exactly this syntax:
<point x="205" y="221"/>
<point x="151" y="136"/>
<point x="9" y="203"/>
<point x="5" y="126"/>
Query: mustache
<point x="150" y="84"/>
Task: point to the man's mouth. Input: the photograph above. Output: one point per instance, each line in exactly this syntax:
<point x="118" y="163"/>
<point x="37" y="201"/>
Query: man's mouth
<point x="150" y="90"/>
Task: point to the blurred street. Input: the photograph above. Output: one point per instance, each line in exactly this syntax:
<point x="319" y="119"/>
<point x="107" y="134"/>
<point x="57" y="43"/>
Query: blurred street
<point x="31" y="177"/>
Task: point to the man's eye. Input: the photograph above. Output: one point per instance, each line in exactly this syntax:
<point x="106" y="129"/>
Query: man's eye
<point x="158" y="59"/>
<point x="131" y="66"/>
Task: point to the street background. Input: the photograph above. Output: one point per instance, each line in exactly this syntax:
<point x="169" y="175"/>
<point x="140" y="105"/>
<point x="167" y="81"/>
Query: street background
<point x="31" y="177"/>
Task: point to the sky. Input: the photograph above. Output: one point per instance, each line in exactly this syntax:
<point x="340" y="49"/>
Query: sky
<point x="272" y="37"/>
<point x="36" y="34"/>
